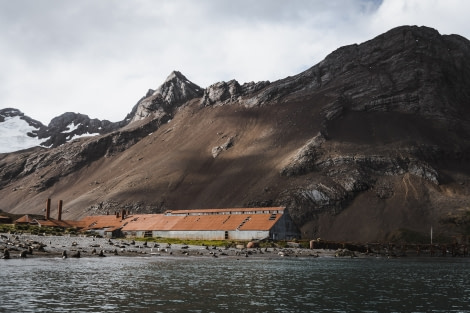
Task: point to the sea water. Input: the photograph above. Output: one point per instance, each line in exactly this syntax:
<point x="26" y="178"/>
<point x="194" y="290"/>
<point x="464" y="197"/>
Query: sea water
<point x="200" y="284"/>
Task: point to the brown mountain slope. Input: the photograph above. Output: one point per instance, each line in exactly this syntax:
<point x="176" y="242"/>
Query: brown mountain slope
<point x="367" y="144"/>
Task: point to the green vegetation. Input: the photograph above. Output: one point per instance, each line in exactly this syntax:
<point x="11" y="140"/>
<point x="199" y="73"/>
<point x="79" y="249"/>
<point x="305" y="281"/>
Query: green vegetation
<point x="217" y="243"/>
<point x="33" y="229"/>
<point x="220" y="243"/>
<point x="7" y="228"/>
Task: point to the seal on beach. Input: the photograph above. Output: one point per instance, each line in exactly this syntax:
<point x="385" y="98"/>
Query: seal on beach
<point x="23" y="253"/>
<point x="64" y="254"/>
<point x="6" y="254"/>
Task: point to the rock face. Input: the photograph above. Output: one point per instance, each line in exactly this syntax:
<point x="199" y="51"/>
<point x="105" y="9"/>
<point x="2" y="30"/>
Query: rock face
<point x="230" y="92"/>
<point x="69" y="126"/>
<point x="175" y="91"/>
<point x="370" y="144"/>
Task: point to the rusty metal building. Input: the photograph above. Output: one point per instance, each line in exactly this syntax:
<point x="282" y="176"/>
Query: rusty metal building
<point x="215" y="224"/>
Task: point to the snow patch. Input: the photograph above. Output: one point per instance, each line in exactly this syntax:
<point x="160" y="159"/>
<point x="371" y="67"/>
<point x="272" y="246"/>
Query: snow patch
<point x="83" y="135"/>
<point x="71" y="127"/>
<point x="13" y="135"/>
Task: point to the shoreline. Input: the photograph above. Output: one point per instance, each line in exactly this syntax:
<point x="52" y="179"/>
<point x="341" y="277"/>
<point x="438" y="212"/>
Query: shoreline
<point x="37" y="246"/>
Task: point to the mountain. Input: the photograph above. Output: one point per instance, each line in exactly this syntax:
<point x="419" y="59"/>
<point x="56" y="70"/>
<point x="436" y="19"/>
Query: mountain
<point x="18" y="131"/>
<point x="372" y="143"/>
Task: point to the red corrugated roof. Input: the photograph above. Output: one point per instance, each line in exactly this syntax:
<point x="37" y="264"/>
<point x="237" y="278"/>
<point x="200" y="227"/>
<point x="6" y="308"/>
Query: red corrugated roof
<point x="181" y="220"/>
<point x="25" y="219"/>
<point x="101" y="221"/>
<point x="56" y="223"/>
<point x="229" y="210"/>
<point x="224" y="222"/>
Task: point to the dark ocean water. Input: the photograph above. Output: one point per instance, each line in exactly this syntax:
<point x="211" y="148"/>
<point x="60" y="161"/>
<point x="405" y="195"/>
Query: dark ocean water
<point x="160" y="284"/>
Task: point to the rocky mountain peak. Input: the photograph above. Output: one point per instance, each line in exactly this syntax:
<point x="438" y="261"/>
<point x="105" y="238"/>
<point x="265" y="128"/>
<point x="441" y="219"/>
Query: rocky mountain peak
<point x="70" y="125"/>
<point x="11" y="113"/>
<point x="176" y="75"/>
<point x="176" y="90"/>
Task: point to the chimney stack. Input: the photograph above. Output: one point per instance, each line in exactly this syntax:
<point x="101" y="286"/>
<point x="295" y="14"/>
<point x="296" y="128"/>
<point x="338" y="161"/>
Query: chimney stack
<point x="59" y="214"/>
<point x="123" y="214"/>
<point x="48" y="209"/>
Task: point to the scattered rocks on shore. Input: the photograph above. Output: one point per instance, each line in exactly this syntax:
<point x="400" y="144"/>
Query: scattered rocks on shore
<point x="81" y="246"/>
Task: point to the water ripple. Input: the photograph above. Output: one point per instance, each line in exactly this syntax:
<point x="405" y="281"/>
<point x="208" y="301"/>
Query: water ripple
<point x="230" y="285"/>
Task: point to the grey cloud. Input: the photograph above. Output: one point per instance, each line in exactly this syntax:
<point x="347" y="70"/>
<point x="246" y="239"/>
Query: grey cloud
<point x="100" y="56"/>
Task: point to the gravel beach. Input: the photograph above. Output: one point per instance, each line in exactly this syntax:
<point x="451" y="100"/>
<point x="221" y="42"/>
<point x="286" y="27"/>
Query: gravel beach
<point x="32" y="246"/>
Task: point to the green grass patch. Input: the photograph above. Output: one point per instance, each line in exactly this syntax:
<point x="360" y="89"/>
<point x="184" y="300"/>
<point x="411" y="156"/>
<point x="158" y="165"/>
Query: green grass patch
<point x="217" y="243"/>
<point x="31" y="229"/>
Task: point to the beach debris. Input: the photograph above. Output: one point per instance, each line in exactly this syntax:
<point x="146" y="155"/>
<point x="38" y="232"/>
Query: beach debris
<point x="345" y="253"/>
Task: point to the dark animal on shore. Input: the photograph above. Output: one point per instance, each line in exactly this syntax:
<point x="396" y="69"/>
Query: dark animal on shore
<point x="101" y="253"/>
<point x="23" y="253"/>
<point x="64" y="254"/>
<point x="6" y="254"/>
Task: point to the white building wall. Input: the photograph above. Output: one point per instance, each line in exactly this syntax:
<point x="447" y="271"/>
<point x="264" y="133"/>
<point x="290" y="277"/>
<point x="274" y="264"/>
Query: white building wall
<point x="196" y="235"/>
<point x="212" y="235"/>
<point x="247" y="235"/>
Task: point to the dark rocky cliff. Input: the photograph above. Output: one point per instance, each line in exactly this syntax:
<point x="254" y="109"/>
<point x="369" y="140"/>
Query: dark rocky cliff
<point x="370" y="144"/>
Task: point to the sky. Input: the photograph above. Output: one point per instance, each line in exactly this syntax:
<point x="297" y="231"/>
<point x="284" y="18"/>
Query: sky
<point x="100" y="57"/>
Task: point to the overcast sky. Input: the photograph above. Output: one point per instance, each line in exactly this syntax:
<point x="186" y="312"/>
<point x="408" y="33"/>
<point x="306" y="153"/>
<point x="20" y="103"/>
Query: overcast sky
<point x="100" y="57"/>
